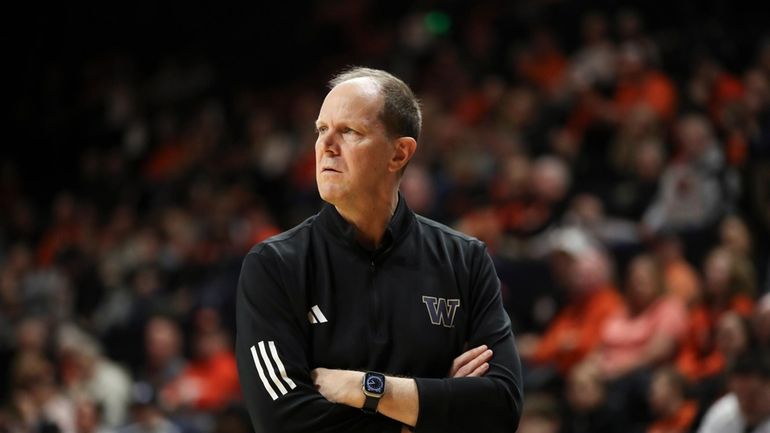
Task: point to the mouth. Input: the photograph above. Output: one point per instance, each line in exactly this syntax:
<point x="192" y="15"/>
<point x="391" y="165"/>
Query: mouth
<point x="330" y="170"/>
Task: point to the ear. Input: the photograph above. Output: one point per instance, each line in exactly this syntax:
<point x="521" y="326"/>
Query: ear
<point x="403" y="150"/>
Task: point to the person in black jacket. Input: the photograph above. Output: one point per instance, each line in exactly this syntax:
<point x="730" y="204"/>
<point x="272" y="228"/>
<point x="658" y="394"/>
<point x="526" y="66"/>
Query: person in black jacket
<point x="367" y="317"/>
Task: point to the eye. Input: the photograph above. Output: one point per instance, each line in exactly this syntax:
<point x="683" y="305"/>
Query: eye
<point x="349" y="131"/>
<point x="320" y="129"/>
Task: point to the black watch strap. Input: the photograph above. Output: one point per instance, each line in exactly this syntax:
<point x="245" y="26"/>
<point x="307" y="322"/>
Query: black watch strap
<point x="370" y="404"/>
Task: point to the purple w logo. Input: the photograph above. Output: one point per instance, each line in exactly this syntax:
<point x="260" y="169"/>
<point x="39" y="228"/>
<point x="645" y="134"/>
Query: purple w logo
<point x="441" y="311"/>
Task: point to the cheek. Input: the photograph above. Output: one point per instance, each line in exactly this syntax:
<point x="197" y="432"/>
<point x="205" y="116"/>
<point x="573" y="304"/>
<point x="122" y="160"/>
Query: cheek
<point x="364" y="163"/>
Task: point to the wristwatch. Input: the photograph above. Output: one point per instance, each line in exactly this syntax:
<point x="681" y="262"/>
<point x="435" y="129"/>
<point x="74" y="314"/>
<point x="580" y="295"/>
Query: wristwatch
<point x="374" y="387"/>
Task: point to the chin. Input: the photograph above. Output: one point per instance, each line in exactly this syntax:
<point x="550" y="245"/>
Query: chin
<point x="329" y="194"/>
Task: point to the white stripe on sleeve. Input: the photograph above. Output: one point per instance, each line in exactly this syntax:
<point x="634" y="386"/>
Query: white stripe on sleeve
<point x="281" y="368"/>
<point x="267" y="385"/>
<point x="270" y="369"/>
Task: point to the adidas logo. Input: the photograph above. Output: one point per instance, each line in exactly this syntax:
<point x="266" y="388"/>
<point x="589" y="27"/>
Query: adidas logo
<point x="316" y="316"/>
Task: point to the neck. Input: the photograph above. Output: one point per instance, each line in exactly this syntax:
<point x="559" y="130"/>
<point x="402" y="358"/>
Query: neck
<point x="370" y="219"/>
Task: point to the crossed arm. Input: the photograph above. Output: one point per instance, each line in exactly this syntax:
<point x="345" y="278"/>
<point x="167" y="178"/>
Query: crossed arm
<point x="400" y="401"/>
<point x="284" y="393"/>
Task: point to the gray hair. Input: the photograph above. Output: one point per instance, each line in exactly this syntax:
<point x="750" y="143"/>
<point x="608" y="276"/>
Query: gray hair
<point x="401" y="109"/>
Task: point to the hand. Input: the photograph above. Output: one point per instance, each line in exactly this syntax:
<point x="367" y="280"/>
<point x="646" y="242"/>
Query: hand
<point x="471" y="363"/>
<point x="339" y="386"/>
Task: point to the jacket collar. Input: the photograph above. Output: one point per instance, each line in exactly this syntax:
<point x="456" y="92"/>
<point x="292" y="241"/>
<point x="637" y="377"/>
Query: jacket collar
<point x="340" y="228"/>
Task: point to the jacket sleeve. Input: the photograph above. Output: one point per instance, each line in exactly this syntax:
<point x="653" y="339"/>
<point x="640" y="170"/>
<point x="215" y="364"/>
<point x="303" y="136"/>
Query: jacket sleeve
<point x="272" y="352"/>
<point x="491" y="403"/>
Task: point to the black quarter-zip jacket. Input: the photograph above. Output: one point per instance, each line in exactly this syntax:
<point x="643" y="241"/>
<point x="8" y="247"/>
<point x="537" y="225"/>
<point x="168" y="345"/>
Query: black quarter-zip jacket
<point x="314" y="297"/>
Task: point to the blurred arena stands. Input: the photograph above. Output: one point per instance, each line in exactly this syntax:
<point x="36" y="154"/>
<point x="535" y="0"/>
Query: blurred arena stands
<point x="616" y="161"/>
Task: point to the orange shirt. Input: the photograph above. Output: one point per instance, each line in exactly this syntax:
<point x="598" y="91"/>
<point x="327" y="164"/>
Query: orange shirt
<point x="577" y="329"/>
<point x="679" y="422"/>
<point x="654" y="90"/>
<point x="210" y="383"/>
<point x="698" y="357"/>
<point x="726" y="89"/>
<point x="167" y="161"/>
<point x="625" y="339"/>
<point x="472" y="108"/>
<point x="546" y="70"/>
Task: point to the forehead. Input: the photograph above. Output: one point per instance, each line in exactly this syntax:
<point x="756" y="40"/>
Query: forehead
<point x="358" y="99"/>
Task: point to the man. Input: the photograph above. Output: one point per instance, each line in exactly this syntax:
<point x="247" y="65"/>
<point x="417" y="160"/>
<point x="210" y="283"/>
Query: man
<point x="367" y="305"/>
<point x="746" y="408"/>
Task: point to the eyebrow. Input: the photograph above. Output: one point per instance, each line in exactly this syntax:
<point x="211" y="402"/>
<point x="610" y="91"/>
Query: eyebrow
<point x="359" y="126"/>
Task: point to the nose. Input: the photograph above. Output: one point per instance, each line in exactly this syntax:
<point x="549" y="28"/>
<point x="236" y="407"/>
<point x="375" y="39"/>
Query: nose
<point x="328" y="143"/>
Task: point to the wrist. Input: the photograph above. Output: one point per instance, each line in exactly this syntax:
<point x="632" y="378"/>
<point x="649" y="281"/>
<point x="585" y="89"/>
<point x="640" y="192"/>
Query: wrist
<point x="355" y="397"/>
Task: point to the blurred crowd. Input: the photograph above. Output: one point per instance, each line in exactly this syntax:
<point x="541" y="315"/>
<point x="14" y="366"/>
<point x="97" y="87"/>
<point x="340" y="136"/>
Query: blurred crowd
<point x="626" y="204"/>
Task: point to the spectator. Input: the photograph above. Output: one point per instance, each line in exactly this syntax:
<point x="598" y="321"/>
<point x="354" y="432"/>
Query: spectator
<point x="588" y="408"/>
<point x="667" y="398"/>
<point x="542" y="63"/>
<point x="729" y="282"/>
<point x="210" y="380"/>
<point x="647" y="333"/>
<point x="528" y="214"/>
<point x="640" y="85"/>
<point x="32" y="336"/>
<point x="575" y="330"/>
<point x="747" y="406"/>
<point x="593" y="66"/>
<point x="679" y="276"/>
<point x="640" y="338"/>
<point x="727" y="287"/>
<point x="690" y="195"/>
<point x="712" y="89"/>
<point x="163" y="361"/>
<point x="735" y="236"/>
<point x="37" y="398"/>
<point x="629" y="26"/>
<point x="733" y="337"/>
<point x="85" y="370"/>
<point x="550" y="184"/>
<point x="635" y="189"/>
<point x="638" y="128"/>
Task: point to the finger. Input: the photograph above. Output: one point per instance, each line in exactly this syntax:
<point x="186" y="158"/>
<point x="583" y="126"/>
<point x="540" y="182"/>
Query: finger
<point x="465" y="357"/>
<point x="480" y="371"/>
<point x="473" y="364"/>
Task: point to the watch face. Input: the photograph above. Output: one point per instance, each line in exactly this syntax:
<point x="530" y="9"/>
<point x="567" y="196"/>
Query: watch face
<point x="375" y="383"/>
